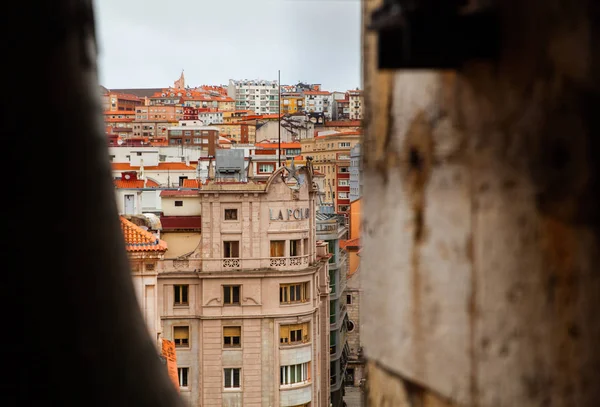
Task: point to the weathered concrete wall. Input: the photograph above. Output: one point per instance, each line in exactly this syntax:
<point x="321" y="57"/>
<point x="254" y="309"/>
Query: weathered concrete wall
<point x="480" y="223"/>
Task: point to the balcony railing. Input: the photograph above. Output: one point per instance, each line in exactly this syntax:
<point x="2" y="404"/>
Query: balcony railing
<point x="257" y="263"/>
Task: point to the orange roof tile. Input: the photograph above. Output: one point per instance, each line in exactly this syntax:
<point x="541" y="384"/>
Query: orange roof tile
<point x="350" y="243"/>
<point x="134" y="183"/>
<point x="191" y="183"/>
<point x="316" y="92"/>
<point x="126" y="96"/>
<point x="140" y="240"/>
<point x="160" y="167"/>
<point x="343" y="123"/>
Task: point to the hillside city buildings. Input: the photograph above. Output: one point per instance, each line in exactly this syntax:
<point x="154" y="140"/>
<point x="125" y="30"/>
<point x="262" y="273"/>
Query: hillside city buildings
<point x="238" y="223"/>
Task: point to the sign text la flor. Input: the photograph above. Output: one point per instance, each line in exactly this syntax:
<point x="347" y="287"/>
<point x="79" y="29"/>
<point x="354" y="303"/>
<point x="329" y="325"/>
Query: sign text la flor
<point x="289" y="214"/>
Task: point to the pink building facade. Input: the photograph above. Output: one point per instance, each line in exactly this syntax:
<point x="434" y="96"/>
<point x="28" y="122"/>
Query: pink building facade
<point x="246" y="297"/>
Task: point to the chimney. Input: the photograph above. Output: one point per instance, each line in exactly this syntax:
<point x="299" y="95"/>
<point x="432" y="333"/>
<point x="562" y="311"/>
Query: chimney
<point x="250" y="174"/>
<point x="187" y="160"/>
<point x="142" y="176"/>
<point x="211" y="168"/>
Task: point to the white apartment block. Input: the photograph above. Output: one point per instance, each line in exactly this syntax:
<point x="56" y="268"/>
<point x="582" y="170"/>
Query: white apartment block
<point x="356" y="104"/>
<point x="261" y="96"/>
<point x="210" y="117"/>
<point x="318" y="101"/>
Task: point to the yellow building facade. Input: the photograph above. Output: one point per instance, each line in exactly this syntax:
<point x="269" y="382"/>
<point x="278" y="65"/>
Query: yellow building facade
<point x="331" y="154"/>
<point x="293" y="103"/>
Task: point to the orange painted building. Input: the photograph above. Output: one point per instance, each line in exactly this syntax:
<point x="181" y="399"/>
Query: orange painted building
<point x="292" y="103"/>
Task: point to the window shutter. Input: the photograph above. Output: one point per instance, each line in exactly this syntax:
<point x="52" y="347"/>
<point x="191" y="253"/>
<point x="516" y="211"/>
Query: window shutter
<point x="181" y="332"/>
<point x="232" y="331"/>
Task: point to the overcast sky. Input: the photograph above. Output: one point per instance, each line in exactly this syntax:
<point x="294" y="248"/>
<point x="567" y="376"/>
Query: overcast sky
<point x="146" y="43"/>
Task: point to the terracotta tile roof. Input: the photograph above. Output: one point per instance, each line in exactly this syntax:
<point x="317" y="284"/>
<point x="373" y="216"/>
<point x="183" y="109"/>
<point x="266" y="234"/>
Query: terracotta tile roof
<point x="126" y="96"/>
<point x="350" y="243"/>
<point x="316" y="92"/>
<point x="343" y="123"/>
<point x="134" y="183"/>
<point x="140" y="240"/>
<point x="160" y="167"/>
<point x="191" y="183"/>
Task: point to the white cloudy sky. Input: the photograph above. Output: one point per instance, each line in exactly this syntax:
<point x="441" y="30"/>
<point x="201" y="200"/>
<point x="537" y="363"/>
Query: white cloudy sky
<point x="146" y="43"/>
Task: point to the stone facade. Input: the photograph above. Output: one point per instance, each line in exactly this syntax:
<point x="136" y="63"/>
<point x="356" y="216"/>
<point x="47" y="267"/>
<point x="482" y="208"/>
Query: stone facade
<point x="249" y="327"/>
<point x="354" y="371"/>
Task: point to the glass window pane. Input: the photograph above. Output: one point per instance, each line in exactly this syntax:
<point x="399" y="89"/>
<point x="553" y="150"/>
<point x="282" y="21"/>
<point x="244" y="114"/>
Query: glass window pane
<point x="227" y="377"/>
<point x="236" y="377"/>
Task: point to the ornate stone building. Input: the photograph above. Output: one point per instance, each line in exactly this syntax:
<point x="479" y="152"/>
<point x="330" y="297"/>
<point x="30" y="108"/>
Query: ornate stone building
<point x="245" y="295"/>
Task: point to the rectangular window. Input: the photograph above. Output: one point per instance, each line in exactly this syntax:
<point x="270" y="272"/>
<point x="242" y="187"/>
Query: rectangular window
<point x="231" y="295"/>
<point x="277" y="248"/>
<point x="232" y="336"/>
<point x="231" y="378"/>
<point x="181" y="336"/>
<point x="295" y="249"/>
<point x="343" y="182"/>
<point x="294" y="374"/>
<point x="293" y="334"/>
<point x="231" y="214"/>
<point x="343" y="169"/>
<point x="344" y="144"/>
<point x="265" y="168"/>
<point x="293" y="293"/>
<point x="305" y="246"/>
<point x="181" y="294"/>
<point x="182" y="372"/>
<point x="231" y="250"/>
<point x="342" y="195"/>
<point x="348" y="299"/>
<point x="178" y="203"/>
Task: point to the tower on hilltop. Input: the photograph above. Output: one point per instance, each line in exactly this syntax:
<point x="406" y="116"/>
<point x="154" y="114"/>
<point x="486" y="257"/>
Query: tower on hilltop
<point x="180" y="83"/>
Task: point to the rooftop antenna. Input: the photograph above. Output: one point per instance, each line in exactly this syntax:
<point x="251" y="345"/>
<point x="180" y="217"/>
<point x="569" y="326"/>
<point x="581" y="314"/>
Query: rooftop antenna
<point x="279" y="113"/>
